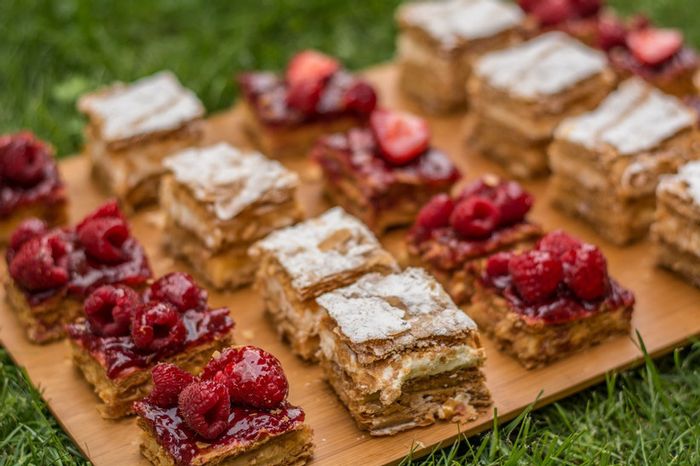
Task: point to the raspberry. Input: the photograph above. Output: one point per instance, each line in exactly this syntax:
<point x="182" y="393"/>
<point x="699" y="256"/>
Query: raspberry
<point x="536" y="275"/>
<point x="109" y="310"/>
<point x="168" y="382"/>
<point x="587" y="8"/>
<point x="401" y="136"/>
<point x="436" y="213"/>
<point x="253" y="376"/>
<point x="178" y="289"/>
<point x="27" y="230"/>
<point x="497" y="265"/>
<point x="109" y="209"/>
<point x="41" y="263"/>
<point x="103" y="238"/>
<point x="552" y="12"/>
<point x="23" y="159"/>
<point x="475" y="217"/>
<point x="360" y="97"/>
<point x="513" y="202"/>
<point x="157" y="327"/>
<point x="557" y="243"/>
<point x="205" y="407"/>
<point x="307" y="75"/>
<point x="611" y="33"/>
<point x="586" y="271"/>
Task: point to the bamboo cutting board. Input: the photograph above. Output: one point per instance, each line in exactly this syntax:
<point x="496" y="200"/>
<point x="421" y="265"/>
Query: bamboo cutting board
<point x="666" y="316"/>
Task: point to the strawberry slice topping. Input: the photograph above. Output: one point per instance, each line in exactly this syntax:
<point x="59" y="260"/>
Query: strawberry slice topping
<point x="653" y="46"/>
<point x="307" y="74"/>
<point x="401" y="136"/>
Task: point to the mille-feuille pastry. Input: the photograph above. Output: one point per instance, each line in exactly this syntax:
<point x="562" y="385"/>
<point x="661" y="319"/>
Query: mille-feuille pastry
<point x="285" y="114"/>
<point x="299" y="263"/>
<point x="133" y="127"/>
<point x="548" y="302"/>
<point x="676" y="227"/>
<point x="399" y="354"/>
<point x="125" y="333"/>
<point x="606" y="164"/>
<point x="51" y="271"/>
<point x="30" y="184"/>
<point x="438" y="40"/>
<point x="235" y="413"/>
<point x="484" y="217"/>
<point x="520" y="94"/>
<point x="384" y="173"/>
<point x="218" y="201"/>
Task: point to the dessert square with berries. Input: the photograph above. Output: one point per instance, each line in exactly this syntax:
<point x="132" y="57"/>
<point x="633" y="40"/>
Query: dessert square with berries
<point x="578" y="18"/>
<point x="234" y="413"/>
<point x="438" y="40"/>
<point x="675" y="229"/>
<point x="548" y="302"/>
<point x="607" y="163"/>
<point x="299" y="263"/>
<point x="285" y="113"/>
<point x="399" y="354"/>
<point x="52" y="270"/>
<point x="217" y="201"/>
<point x="30" y="184"/>
<point x="522" y="93"/>
<point x="484" y="217"/>
<point x="384" y="173"/>
<point x="659" y="56"/>
<point x="133" y="127"/>
<point x="124" y="333"/>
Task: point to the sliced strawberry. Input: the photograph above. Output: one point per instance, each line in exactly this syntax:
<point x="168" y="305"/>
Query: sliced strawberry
<point x="653" y="46"/>
<point x="401" y="136"/>
<point x="307" y="74"/>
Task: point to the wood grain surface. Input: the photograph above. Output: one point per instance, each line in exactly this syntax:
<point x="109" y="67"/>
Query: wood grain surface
<point x="666" y="316"/>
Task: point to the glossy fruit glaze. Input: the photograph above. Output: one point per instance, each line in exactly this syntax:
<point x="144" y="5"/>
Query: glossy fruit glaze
<point x="28" y="174"/>
<point x="246" y="427"/>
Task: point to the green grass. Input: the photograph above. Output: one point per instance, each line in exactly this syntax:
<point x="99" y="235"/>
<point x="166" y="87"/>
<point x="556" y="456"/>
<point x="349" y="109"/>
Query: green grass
<point x="51" y="52"/>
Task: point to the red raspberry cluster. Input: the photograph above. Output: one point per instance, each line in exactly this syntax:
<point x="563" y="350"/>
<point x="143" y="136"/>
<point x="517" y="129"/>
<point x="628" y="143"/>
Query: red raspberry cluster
<point x="553" y="12"/>
<point x="307" y="77"/>
<point x="24" y="160"/>
<point x="39" y="258"/>
<point x="153" y="320"/>
<point x="480" y="209"/>
<point x="242" y="376"/>
<point x="558" y="260"/>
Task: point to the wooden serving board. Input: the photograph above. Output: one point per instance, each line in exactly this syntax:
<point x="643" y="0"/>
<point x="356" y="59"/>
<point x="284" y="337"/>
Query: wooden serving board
<point x="666" y="316"/>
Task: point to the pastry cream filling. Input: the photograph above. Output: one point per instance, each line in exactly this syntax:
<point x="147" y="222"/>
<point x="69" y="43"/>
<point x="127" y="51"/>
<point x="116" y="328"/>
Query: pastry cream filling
<point x="389" y="376"/>
<point x="306" y="320"/>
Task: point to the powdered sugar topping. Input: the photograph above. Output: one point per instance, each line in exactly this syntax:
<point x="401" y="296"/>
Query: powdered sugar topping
<point x="152" y="104"/>
<point x="229" y="180"/>
<point x="634" y="118"/>
<point x="452" y="20"/>
<point x="685" y="183"/>
<point x="546" y="65"/>
<point x="321" y="248"/>
<point x="379" y="307"/>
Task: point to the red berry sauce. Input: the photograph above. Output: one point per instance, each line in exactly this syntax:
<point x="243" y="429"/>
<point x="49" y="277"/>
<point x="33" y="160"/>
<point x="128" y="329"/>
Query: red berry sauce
<point x="120" y="356"/>
<point x="28" y="174"/>
<point x="246" y="427"/>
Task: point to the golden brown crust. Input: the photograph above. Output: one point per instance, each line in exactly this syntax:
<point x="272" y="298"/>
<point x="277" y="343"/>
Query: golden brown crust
<point x="293" y="448"/>
<point x="53" y="213"/>
<point x="117" y="395"/>
<point x="536" y="344"/>
<point x="45" y="322"/>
